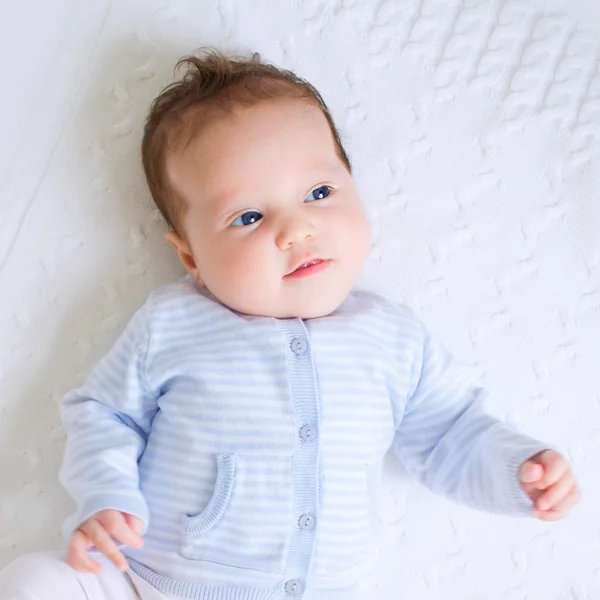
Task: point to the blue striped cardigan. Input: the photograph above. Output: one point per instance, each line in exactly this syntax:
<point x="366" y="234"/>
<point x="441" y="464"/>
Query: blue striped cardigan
<point x="251" y="446"/>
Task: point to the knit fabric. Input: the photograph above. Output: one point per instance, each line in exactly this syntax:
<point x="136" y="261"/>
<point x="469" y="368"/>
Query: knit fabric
<point x="251" y="446"/>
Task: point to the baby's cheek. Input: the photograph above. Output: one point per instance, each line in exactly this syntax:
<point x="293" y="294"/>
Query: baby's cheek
<point x="359" y="238"/>
<point x="246" y="267"/>
<point x="218" y="266"/>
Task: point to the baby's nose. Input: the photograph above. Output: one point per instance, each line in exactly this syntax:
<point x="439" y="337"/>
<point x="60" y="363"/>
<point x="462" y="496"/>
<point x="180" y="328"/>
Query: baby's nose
<point x="295" y="232"/>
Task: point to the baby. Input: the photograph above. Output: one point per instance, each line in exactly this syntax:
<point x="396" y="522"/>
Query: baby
<point x="228" y="446"/>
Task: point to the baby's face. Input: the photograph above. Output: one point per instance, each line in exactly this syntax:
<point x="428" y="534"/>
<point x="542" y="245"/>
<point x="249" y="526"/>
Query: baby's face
<point x="274" y="221"/>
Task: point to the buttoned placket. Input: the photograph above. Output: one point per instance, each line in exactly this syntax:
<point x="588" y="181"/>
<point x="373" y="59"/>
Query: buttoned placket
<point x="305" y="479"/>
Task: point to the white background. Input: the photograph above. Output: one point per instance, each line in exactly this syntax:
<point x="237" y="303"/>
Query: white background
<point x="474" y="130"/>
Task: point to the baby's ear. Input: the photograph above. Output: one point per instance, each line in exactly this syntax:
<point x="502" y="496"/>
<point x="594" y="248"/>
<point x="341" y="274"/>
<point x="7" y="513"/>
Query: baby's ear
<point x="185" y="254"/>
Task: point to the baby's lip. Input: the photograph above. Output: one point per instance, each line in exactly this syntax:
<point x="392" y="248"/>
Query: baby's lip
<point x="311" y="260"/>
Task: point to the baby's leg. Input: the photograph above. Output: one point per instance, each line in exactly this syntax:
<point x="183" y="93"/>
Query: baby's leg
<point x="48" y="577"/>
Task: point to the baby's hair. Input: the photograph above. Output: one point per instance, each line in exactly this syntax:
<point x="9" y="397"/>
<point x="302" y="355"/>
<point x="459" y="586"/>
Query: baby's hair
<point x="212" y="82"/>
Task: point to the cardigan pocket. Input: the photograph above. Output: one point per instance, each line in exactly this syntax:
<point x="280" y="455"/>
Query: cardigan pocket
<point x="248" y="519"/>
<point x="195" y="525"/>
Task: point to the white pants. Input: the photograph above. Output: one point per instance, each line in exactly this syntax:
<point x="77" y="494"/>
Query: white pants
<point x="46" y="576"/>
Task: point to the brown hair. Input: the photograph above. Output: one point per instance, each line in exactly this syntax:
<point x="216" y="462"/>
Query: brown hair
<point x="212" y="81"/>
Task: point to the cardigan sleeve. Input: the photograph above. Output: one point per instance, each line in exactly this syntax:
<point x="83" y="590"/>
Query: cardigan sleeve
<point x="107" y="422"/>
<point x="447" y="439"/>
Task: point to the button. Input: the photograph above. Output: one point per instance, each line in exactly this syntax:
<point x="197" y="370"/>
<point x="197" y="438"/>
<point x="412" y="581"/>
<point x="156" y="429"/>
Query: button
<point x="308" y="433"/>
<point x="293" y="587"/>
<point x="306" y="522"/>
<point x="299" y="346"/>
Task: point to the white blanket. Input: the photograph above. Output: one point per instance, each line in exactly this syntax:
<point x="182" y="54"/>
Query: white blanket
<point x="474" y="129"/>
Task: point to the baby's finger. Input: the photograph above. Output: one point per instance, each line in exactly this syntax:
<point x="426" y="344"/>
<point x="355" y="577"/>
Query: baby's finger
<point x="555" y="493"/>
<point x="569" y="501"/>
<point x="555" y="466"/>
<point x="549" y="515"/>
<point x="78" y="556"/>
<point x="562" y="508"/>
<point x="530" y="472"/>
<point x="104" y="543"/>
<point x="114" y="522"/>
<point x="136" y="525"/>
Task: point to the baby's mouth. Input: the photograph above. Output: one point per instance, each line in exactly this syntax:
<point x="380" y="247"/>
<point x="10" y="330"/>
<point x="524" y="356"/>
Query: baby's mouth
<point x="315" y="261"/>
<point x="309" y="267"/>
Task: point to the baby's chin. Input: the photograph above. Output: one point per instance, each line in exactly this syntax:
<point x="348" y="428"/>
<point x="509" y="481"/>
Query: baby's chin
<point x="311" y="306"/>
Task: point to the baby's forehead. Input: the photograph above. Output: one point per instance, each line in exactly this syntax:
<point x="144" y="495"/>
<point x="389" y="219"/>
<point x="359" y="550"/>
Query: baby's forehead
<point x="237" y="149"/>
<point x="243" y="133"/>
<point x="189" y="125"/>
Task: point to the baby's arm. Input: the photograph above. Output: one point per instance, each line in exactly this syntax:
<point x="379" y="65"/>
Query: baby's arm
<point x="108" y="421"/>
<point x="455" y="448"/>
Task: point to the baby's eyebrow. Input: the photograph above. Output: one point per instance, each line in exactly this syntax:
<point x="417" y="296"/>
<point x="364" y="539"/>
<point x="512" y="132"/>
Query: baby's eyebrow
<point x="321" y="167"/>
<point x="224" y="203"/>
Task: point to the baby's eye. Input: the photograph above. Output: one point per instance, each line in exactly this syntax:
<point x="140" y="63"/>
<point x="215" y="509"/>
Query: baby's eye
<point x="248" y="218"/>
<point x="318" y="193"/>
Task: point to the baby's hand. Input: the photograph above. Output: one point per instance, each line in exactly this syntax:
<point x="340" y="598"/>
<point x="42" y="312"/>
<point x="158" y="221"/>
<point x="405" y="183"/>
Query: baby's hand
<point x="548" y="480"/>
<point x="97" y="531"/>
